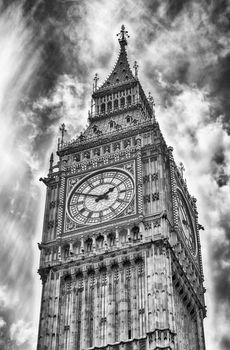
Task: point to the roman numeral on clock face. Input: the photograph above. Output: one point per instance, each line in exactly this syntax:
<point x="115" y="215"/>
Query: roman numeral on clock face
<point x="82" y="210"/>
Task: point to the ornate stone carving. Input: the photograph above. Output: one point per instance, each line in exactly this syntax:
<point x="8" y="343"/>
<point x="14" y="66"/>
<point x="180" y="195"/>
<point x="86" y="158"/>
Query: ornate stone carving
<point x="52" y="204"/>
<point x="50" y="224"/>
<point x="156" y="223"/>
<point x="155" y="196"/>
<point x="129" y="167"/>
<point x="145" y="178"/>
<point x="154" y="176"/>
<point x="70" y="224"/>
<point x="146" y="198"/>
<point x="147" y="225"/>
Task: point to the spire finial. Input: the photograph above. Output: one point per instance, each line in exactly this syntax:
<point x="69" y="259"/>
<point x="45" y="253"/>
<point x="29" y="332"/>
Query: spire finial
<point x="123" y="35"/>
<point x="63" y="130"/>
<point x="151" y="100"/>
<point x="136" y="69"/>
<point x="51" y="162"/>
<point x="181" y="168"/>
<point x="96" y="78"/>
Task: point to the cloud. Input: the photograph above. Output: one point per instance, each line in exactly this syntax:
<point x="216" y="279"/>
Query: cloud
<point x="2" y="322"/>
<point x="21" y="333"/>
<point x="50" y="51"/>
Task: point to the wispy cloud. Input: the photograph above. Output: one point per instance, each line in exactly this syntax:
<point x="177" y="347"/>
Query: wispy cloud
<point x="49" y="55"/>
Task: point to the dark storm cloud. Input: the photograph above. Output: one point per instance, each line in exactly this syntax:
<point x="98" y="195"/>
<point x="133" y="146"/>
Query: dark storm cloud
<point x="220" y="90"/>
<point x="172" y="8"/>
<point x="221" y="258"/>
<point x="219" y="164"/>
<point x="59" y="30"/>
<point x="225" y="343"/>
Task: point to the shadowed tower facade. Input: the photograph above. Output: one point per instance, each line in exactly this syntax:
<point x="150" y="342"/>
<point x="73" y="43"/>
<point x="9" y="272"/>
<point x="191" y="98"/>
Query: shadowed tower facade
<point x="120" y="253"/>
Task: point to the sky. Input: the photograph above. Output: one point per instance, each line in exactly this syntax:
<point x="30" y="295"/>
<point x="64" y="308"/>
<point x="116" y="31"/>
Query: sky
<point x="50" y="52"/>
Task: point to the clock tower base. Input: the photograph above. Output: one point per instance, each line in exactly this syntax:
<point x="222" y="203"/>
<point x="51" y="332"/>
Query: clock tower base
<point x="100" y="301"/>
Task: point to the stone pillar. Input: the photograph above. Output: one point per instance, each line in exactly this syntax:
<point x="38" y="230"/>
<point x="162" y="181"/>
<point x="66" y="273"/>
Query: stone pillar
<point x="122" y="306"/>
<point x="97" y="317"/>
<point x="117" y="237"/>
<point x="59" y="253"/>
<point x="200" y="330"/>
<point x="84" y="334"/>
<point x="129" y="234"/>
<point x="82" y="244"/>
<point x="110" y="309"/>
<point x="94" y="243"/>
<point x="134" y="302"/>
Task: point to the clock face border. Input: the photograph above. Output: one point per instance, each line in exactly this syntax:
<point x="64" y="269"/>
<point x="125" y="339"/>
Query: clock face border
<point x="187" y="228"/>
<point x="127" y="197"/>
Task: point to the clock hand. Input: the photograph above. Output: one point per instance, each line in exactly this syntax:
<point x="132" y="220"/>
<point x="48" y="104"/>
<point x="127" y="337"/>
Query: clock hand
<point x="109" y="190"/>
<point x="105" y="195"/>
<point x="88" y="194"/>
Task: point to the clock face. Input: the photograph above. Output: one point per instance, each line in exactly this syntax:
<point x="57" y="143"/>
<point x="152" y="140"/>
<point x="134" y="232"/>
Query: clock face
<point x="186" y="224"/>
<point x="100" y="197"/>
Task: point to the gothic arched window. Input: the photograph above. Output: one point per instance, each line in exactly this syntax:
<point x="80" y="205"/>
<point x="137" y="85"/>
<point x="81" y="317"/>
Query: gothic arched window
<point x="135" y="231"/>
<point x="115" y="104"/>
<point x="100" y="241"/>
<point x="109" y="106"/>
<point x="111" y="239"/>
<point x="102" y="108"/>
<point x="66" y="251"/>
<point x="129" y="100"/>
<point x="111" y="124"/>
<point x="122" y="102"/>
<point x="89" y="244"/>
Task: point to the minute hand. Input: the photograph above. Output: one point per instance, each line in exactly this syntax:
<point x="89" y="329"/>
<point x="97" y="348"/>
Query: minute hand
<point x="88" y="194"/>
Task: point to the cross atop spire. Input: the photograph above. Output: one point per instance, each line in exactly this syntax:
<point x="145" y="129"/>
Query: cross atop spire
<point x="123" y="35"/>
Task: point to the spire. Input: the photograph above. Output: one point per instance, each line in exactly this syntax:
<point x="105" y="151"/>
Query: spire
<point x="121" y="72"/>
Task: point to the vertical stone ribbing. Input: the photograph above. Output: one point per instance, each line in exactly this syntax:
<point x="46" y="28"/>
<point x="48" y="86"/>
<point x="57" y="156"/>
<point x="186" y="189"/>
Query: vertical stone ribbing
<point x="61" y="199"/>
<point x="84" y="313"/>
<point x="200" y="329"/>
<point x="123" y="306"/>
<point x="97" y="313"/>
<point x="139" y="177"/>
<point x="173" y="186"/>
<point x="198" y="236"/>
<point x="110" y="309"/>
<point x="134" y="302"/>
<point x="116" y="288"/>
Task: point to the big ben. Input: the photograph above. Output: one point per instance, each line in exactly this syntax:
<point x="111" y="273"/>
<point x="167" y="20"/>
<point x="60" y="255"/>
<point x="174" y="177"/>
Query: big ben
<point x="120" y="259"/>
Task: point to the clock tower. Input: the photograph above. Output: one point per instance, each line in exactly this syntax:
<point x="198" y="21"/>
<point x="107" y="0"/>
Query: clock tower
<point x="120" y="253"/>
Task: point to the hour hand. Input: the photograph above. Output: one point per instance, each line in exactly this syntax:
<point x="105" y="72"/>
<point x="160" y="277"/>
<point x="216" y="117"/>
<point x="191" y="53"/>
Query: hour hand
<point x="109" y="190"/>
<point x="105" y="195"/>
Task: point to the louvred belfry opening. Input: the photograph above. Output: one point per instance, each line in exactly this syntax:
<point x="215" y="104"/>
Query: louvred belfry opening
<point x="121" y="90"/>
